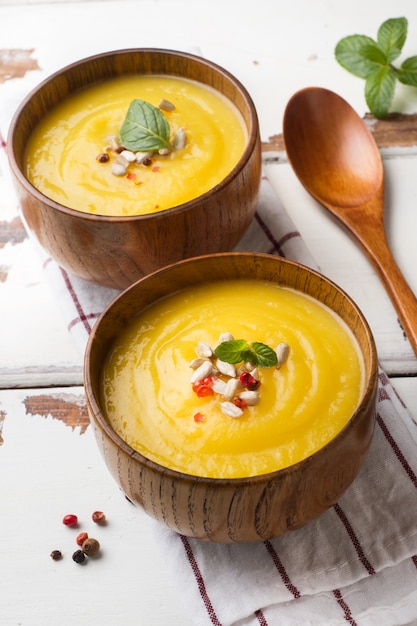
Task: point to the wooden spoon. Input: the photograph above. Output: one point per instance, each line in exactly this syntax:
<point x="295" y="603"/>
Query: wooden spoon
<point x="335" y="156"/>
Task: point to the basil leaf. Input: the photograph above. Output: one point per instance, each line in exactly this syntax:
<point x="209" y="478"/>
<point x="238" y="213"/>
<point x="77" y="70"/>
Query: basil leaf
<point x="231" y="351"/>
<point x="379" y="91"/>
<point x="391" y="36"/>
<point x="266" y="357"/>
<point x="354" y="53"/>
<point x="145" y="128"/>
<point x="407" y="74"/>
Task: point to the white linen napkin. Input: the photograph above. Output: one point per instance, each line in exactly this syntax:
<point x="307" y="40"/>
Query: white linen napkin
<point x="356" y="564"/>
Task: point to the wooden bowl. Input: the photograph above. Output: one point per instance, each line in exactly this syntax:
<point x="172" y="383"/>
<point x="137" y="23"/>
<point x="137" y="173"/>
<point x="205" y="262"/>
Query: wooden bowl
<point x="116" y="251"/>
<point x="240" y="509"/>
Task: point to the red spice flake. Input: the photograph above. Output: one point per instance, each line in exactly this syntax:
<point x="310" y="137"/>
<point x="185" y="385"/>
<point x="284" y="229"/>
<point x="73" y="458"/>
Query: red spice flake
<point x="204" y="390"/>
<point x="249" y="381"/>
<point x="199" y="418"/>
<point x="240" y="402"/>
<point x="156" y="168"/>
<point x="131" y="176"/>
<point x="70" y="520"/>
<point x="203" y="387"/>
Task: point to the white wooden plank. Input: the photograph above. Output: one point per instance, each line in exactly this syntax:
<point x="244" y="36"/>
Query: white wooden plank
<point x="406" y="388"/>
<point x="340" y="258"/>
<point x="48" y="470"/>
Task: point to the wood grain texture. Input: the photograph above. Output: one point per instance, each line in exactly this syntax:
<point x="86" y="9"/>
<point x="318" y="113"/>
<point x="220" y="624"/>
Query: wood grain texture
<point x="16" y="62"/>
<point x="113" y="251"/>
<point x="65" y="407"/>
<point x="397" y="130"/>
<point x="12" y="232"/>
<point x="247" y="509"/>
<point x="337" y="160"/>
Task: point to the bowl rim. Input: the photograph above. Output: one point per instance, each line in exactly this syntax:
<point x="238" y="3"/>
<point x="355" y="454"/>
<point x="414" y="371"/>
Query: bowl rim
<point x="252" y="130"/>
<point x="368" y="395"/>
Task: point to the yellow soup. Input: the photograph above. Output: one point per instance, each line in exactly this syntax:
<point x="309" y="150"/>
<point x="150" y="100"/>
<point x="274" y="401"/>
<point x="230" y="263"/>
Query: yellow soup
<point x="62" y="153"/>
<point x="150" y="402"/>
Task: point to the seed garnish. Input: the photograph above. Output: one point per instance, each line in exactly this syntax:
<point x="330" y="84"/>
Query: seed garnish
<point x="145" y="133"/>
<point x="231" y="371"/>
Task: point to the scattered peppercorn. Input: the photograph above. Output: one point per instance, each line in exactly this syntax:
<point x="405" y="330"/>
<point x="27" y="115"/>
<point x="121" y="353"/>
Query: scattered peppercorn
<point x="147" y="162"/>
<point x="78" y="556"/>
<point x="239" y="402"/>
<point x="70" y="520"/>
<point x="81" y="538"/>
<point x="249" y="381"/>
<point x="56" y="555"/>
<point x="98" y="517"/>
<point x="103" y="157"/>
<point x="90" y="546"/>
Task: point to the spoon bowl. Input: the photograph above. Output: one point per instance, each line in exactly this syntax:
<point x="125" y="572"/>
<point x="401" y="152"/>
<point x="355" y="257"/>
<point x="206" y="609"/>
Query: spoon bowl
<point x="335" y="157"/>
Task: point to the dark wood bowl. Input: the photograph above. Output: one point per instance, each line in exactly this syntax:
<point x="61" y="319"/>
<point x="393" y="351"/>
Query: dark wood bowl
<point x="117" y="251"/>
<point x="241" y="509"/>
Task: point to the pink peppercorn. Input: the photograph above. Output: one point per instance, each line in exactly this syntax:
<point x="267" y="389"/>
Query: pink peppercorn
<point x="70" y="520"/>
<point x="98" y="517"/>
<point x="249" y="381"/>
<point x="81" y="538"/>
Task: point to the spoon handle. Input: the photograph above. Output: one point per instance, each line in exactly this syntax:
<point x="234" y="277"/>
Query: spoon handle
<point x="371" y="235"/>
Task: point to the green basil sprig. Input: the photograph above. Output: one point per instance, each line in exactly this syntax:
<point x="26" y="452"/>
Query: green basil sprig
<point x="145" y="128"/>
<point x="373" y="61"/>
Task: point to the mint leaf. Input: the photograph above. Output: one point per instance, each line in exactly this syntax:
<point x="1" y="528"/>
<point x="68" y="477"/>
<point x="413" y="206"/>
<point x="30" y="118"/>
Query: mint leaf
<point x="407" y="74"/>
<point x="355" y="54"/>
<point x="391" y="36"/>
<point x="232" y="351"/>
<point x="266" y="357"/>
<point x="145" y="128"/>
<point x="239" y="350"/>
<point x="372" y="60"/>
<point x="379" y="91"/>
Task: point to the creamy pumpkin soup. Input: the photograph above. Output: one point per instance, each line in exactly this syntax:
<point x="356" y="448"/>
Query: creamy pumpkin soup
<point x="232" y="379"/>
<point x="76" y="155"/>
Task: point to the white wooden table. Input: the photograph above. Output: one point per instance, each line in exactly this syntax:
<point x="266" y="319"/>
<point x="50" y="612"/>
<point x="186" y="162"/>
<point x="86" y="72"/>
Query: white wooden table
<point x="49" y="464"/>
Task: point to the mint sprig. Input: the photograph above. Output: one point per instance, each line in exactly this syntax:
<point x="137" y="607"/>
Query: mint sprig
<point x="372" y="60"/>
<point x="239" y="350"/>
<point x="145" y="128"/>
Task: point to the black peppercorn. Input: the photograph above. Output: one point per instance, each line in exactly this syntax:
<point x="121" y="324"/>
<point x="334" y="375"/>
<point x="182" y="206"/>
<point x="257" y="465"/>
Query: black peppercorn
<point x="103" y="157"/>
<point x="78" y="556"/>
<point x="56" y="555"/>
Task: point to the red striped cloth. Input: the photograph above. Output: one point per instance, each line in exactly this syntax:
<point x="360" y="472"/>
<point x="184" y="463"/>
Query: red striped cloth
<point x="356" y="564"/>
